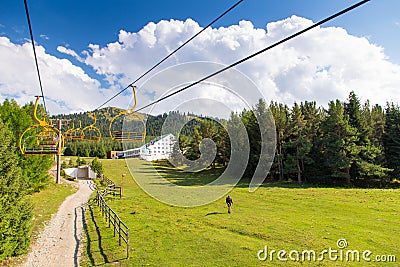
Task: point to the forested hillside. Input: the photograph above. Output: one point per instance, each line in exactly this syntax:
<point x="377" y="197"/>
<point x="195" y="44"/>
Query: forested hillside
<point x="153" y="126"/>
<point x="104" y="116"/>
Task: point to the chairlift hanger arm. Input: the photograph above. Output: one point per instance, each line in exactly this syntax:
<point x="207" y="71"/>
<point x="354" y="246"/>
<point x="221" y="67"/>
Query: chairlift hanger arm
<point x="130" y="110"/>
<point x="124" y="112"/>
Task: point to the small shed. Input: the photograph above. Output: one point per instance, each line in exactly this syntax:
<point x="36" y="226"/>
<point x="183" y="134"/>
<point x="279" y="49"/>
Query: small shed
<point x="113" y="154"/>
<point x="82" y="172"/>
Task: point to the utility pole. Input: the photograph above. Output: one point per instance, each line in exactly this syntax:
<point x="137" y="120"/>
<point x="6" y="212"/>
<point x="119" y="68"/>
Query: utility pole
<point x="58" y="175"/>
<point x="60" y="123"/>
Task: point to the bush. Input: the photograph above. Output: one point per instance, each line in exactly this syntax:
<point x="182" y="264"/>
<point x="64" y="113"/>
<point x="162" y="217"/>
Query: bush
<point x="97" y="166"/>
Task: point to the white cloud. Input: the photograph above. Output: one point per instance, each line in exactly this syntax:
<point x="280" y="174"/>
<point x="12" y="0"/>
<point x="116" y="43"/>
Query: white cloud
<point x="323" y="64"/>
<point x="44" y="36"/>
<point x="70" y="52"/>
<point x="66" y="87"/>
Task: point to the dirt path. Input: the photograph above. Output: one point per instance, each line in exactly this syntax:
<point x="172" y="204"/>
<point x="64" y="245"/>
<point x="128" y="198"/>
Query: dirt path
<point x="58" y="244"/>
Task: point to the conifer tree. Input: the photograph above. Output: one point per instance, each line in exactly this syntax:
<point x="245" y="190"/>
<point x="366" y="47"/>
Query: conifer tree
<point x="338" y="142"/>
<point x="280" y="113"/>
<point x="297" y="147"/>
<point x="391" y="139"/>
<point x="15" y="210"/>
<point x="366" y="166"/>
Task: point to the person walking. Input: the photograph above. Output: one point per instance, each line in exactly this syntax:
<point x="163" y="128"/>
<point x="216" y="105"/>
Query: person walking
<point x="229" y="203"/>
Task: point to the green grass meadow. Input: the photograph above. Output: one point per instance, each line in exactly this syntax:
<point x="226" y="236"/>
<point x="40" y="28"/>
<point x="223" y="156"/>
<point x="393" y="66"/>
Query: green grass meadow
<point x="280" y="216"/>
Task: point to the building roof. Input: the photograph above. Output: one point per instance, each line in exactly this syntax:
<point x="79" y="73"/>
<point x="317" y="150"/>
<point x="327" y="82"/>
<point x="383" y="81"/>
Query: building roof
<point x="161" y="137"/>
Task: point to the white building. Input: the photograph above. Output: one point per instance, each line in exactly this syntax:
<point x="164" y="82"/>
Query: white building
<point x="159" y="148"/>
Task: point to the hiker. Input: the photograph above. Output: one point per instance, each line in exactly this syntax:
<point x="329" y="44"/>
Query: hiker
<point x="229" y="203"/>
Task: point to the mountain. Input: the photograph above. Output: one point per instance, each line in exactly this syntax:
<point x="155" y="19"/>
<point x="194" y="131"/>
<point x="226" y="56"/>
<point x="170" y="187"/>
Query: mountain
<point x="135" y="121"/>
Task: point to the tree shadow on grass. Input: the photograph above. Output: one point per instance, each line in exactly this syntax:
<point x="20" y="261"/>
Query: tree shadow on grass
<point x="182" y="177"/>
<point x="99" y="239"/>
<point x="206" y="176"/>
<point x="99" y="250"/>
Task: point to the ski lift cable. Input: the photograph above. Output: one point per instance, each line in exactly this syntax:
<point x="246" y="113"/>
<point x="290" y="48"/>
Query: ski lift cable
<point x="257" y="53"/>
<point x="34" y="53"/>
<point x="172" y="53"/>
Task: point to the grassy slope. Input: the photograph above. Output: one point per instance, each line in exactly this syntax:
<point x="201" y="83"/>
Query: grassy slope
<point x="282" y="218"/>
<point x="47" y="202"/>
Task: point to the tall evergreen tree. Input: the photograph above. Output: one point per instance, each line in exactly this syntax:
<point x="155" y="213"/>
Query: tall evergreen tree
<point x="253" y="132"/>
<point x="296" y="146"/>
<point x="312" y="163"/>
<point x="281" y="115"/>
<point x="377" y="121"/>
<point x="338" y="142"/>
<point x="366" y="166"/>
<point x="223" y="145"/>
<point x="391" y="139"/>
<point x="15" y="210"/>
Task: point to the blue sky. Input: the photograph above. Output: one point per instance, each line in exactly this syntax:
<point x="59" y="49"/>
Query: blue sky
<point x="76" y="24"/>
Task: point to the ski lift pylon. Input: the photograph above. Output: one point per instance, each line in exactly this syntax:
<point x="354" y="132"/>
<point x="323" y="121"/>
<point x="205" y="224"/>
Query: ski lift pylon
<point x="41" y="138"/>
<point x="130" y="127"/>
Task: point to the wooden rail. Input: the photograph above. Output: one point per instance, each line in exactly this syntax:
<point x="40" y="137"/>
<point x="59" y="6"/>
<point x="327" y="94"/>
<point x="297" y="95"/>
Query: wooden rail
<point x="110" y="215"/>
<point x="106" y="180"/>
<point x="113" y="219"/>
<point x="112" y="190"/>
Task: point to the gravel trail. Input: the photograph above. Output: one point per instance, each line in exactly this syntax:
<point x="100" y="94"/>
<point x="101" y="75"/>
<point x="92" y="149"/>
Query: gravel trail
<point x="58" y="244"/>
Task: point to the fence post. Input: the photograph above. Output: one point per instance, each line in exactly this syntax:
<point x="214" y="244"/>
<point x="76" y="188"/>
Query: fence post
<point x="119" y="231"/>
<point x="115" y="222"/>
<point x="127" y="243"/>
<point x="102" y="206"/>
<point x="109" y="219"/>
<point x="106" y="211"/>
<point x="108" y="215"/>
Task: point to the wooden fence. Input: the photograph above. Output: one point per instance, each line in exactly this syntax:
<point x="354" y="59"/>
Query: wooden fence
<point x="110" y="215"/>
<point x="112" y="190"/>
<point x="112" y="218"/>
<point x="106" y="180"/>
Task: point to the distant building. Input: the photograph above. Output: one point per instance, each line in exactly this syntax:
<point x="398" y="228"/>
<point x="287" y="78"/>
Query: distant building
<point x="159" y="148"/>
<point x="82" y="172"/>
<point x="113" y="154"/>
